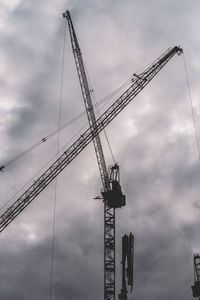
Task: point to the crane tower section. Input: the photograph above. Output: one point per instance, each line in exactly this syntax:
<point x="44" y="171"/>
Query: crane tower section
<point x="112" y="194"/>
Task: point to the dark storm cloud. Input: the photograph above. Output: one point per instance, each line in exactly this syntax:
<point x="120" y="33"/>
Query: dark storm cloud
<point x="153" y="141"/>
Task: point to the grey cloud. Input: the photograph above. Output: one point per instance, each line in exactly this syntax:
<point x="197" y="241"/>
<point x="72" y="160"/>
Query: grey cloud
<point x="159" y="171"/>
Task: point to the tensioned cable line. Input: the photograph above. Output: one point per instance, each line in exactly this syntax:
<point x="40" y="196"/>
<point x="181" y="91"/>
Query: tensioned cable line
<point x="96" y="105"/>
<point x="192" y="107"/>
<point x="54" y="156"/>
<point x="109" y="97"/>
<point x="44" y="166"/>
<point x="98" y="113"/>
<point x="105" y="100"/>
<point x="56" y="180"/>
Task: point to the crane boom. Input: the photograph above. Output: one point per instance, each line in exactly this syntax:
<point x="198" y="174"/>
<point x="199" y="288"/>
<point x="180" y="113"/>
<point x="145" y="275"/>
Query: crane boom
<point x="88" y="101"/>
<point x="139" y="82"/>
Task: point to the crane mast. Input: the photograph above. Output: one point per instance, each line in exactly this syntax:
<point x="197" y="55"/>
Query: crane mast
<point x="138" y="84"/>
<point x="110" y="181"/>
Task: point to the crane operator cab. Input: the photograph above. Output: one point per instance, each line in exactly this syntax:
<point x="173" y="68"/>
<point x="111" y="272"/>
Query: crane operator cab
<point x="114" y="197"/>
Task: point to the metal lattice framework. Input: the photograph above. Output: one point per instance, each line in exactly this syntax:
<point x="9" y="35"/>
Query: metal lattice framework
<point x="109" y="213"/>
<point x="138" y="83"/>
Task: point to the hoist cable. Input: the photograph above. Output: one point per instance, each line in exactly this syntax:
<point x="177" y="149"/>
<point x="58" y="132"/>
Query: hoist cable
<point x="57" y="154"/>
<point x="93" y="95"/>
<point x="105" y="133"/>
<point x="98" y="113"/>
<point x="104" y="100"/>
<point x="108" y="98"/>
<point x="44" y="166"/>
<point x="192" y="106"/>
<point x="109" y="146"/>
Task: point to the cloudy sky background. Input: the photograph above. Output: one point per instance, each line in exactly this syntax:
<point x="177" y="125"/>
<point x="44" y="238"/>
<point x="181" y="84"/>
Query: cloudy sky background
<point x="152" y="139"/>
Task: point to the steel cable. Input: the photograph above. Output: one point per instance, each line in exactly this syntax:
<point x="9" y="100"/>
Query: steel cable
<point x="192" y="107"/>
<point x="56" y="179"/>
<point x="102" y="101"/>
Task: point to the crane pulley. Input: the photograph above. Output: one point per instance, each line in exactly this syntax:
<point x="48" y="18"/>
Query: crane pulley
<point x="138" y="84"/>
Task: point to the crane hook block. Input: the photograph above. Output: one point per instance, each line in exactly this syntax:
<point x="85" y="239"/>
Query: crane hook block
<point x="114" y="197"/>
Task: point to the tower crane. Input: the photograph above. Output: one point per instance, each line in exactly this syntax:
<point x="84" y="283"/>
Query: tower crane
<point x="139" y="81"/>
<point x="112" y="194"/>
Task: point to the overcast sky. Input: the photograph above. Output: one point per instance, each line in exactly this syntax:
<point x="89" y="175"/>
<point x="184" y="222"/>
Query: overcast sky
<point x="153" y="141"/>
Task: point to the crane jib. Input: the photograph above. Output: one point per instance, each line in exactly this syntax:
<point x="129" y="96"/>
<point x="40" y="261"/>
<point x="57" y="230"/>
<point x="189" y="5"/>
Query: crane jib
<point x="65" y="159"/>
